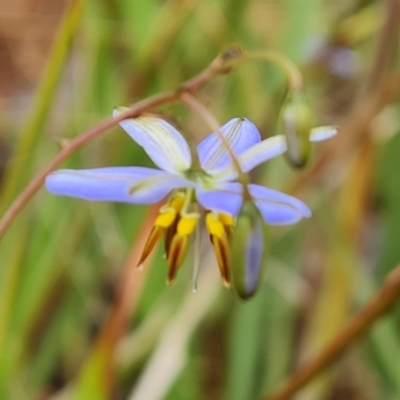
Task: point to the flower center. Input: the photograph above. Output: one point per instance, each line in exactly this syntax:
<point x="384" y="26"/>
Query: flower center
<point x="177" y="220"/>
<point x="200" y="177"/>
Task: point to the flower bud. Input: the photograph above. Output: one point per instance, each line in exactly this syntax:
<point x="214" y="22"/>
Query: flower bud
<point x="248" y="250"/>
<point x="295" y="122"/>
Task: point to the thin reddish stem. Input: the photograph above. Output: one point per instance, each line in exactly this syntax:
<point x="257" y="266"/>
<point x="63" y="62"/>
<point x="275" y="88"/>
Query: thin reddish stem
<point x="218" y="66"/>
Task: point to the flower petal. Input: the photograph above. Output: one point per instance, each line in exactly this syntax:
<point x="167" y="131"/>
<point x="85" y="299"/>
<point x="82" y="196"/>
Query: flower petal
<point x="276" y="145"/>
<point x="323" y="133"/>
<point x="119" y="184"/>
<point x="161" y="141"/>
<point x="240" y="133"/>
<point x="227" y="198"/>
<point x="263" y="151"/>
<point x="278" y="208"/>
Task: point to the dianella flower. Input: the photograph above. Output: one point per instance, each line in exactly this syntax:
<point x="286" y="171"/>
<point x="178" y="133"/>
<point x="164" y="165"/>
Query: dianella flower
<point x="197" y="184"/>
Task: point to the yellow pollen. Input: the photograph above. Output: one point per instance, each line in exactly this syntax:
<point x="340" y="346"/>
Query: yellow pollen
<point x="165" y="218"/>
<point x="226" y="219"/>
<point x="187" y="224"/>
<point x="214" y="226"/>
<point x="177" y="201"/>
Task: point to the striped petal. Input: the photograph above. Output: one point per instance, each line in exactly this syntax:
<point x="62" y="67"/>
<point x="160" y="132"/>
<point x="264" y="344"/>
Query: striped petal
<point x="263" y="151"/>
<point x="240" y="133"/>
<point x="278" y="208"/>
<point x="119" y="184"/>
<point x="161" y="141"/>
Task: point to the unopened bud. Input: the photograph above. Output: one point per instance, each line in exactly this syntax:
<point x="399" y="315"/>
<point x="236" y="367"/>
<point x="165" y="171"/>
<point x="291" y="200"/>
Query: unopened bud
<point x="248" y="250"/>
<point x="295" y="122"/>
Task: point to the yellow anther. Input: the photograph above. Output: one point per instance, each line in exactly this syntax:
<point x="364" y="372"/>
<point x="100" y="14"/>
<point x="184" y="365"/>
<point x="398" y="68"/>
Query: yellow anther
<point x="165" y="218"/>
<point x="226" y="219"/>
<point x="187" y="224"/>
<point x="177" y="201"/>
<point x="214" y="226"/>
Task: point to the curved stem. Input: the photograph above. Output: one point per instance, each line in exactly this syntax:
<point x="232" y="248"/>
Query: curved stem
<point x="293" y="75"/>
<point x="355" y="327"/>
<point x="218" y="66"/>
<point x="196" y="106"/>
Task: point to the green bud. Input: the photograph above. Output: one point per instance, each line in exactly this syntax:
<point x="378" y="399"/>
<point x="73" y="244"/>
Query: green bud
<point x="248" y="250"/>
<point x="295" y="122"/>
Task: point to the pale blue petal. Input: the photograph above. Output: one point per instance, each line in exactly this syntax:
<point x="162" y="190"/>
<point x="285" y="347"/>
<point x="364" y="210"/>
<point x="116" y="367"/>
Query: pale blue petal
<point x="323" y="133"/>
<point x="276" y="207"/>
<point x="118" y="184"/>
<point x="263" y="151"/>
<point x="240" y="133"/>
<point x="270" y="148"/>
<point x="161" y="141"/>
<point x="227" y="199"/>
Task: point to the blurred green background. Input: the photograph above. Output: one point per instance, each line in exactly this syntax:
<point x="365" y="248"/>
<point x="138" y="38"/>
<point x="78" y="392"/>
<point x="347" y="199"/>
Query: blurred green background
<point x="77" y="321"/>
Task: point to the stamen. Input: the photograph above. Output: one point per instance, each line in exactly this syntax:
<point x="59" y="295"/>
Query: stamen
<point x="153" y="238"/>
<point x="214" y="226"/>
<point x="219" y="226"/>
<point x="221" y="250"/>
<point x="169" y="234"/>
<point x="187" y="224"/>
<point x="177" y="201"/>
<point x="226" y="219"/>
<point x="167" y="218"/>
<point x="176" y="253"/>
<point x="179" y="242"/>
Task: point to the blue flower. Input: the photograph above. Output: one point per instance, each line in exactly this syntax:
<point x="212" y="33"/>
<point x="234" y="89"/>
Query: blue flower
<point x="208" y="182"/>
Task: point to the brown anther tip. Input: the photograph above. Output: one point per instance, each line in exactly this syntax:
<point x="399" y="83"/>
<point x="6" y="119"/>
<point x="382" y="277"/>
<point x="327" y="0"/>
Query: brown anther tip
<point x="139" y="267"/>
<point x="170" y="280"/>
<point x="227" y="284"/>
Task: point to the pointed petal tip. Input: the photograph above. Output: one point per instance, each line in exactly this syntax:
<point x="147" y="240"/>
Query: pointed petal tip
<point x="240" y="133"/>
<point x="162" y="142"/>
<point x="278" y="208"/>
<point x="323" y="133"/>
<point x="307" y="213"/>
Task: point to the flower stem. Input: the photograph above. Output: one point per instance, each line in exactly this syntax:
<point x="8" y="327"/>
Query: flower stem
<point x="218" y="66"/>
<point x="196" y="106"/>
<point x="293" y="74"/>
<point x="355" y="327"/>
